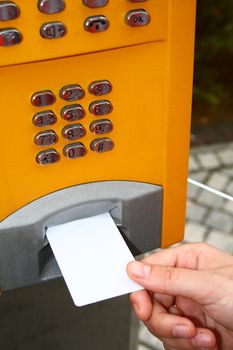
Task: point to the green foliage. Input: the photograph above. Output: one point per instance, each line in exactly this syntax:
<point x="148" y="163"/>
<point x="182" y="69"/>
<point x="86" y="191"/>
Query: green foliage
<point x="213" y="77"/>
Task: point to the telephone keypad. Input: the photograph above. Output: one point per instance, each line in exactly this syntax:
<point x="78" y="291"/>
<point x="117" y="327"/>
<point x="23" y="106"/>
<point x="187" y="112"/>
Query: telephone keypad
<point x="72" y="92"/>
<point x="44" y="118"/>
<point x="100" y="127"/>
<point x="102" y="145"/>
<point x="8" y="11"/>
<point x="95" y="3"/>
<point x="137" y="18"/>
<point x="73" y="112"/>
<point x="73" y="132"/>
<point x="99" y="108"/>
<point x="10" y="36"/>
<point x="48" y="156"/>
<point x="100" y="87"/>
<point x="51" y="6"/>
<point x="46" y="138"/>
<point x="53" y="30"/>
<point x="43" y="98"/>
<point x="96" y="24"/>
<point x="74" y="150"/>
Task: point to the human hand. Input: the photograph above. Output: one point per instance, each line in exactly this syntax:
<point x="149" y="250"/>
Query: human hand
<point x="188" y="297"/>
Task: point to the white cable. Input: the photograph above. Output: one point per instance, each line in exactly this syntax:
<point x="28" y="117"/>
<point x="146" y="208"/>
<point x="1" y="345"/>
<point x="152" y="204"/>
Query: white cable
<point x="210" y="189"/>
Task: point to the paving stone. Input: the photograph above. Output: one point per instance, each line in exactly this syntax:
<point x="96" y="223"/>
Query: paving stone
<point x="195" y="212"/>
<point x="229" y="207"/>
<point x="195" y="232"/>
<point x="200" y="176"/>
<point x="220" y="221"/>
<point x="226" y="156"/>
<point x="229" y="189"/>
<point x="193" y="191"/>
<point x="218" y="181"/>
<point x="147" y="338"/>
<point x="228" y="171"/>
<point x="193" y="164"/>
<point x="210" y="199"/>
<point x="221" y="240"/>
<point x="209" y="160"/>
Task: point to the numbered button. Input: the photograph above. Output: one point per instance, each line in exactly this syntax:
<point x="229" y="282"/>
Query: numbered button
<point x="44" y="118"/>
<point x="51" y="6"/>
<point x="99" y="108"/>
<point x="95" y="3"/>
<point x="43" y="98"/>
<point x="72" y="113"/>
<point x="10" y="37"/>
<point x="75" y="150"/>
<point x="53" y="30"/>
<point x="72" y="92"/>
<point x="73" y="132"/>
<point x="100" y="87"/>
<point x="138" y="18"/>
<point x="96" y="24"/>
<point x="46" y="138"/>
<point x="8" y="11"/>
<point x="100" y="127"/>
<point x="102" y="145"/>
<point x="48" y="156"/>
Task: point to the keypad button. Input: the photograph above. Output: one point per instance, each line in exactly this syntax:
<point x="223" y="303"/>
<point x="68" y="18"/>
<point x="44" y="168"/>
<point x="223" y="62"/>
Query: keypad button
<point x="72" y="113"/>
<point x="99" y="108"/>
<point x="138" y="18"/>
<point x="96" y="24"/>
<point x="137" y="0"/>
<point x="100" y="87"/>
<point x="73" y="132"/>
<point x="102" y="145"/>
<point x="95" y="3"/>
<point x="72" y="92"/>
<point x="100" y="127"/>
<point x="44" y="118"/>
<point x="8" y="11"/>
<point x="75" y="150"/>
<point x="10" y="37"/>
<point x="51" y="6"/>
<point x="48" y="156"/>
<point x="53" y="30"/>
<point x="43" y="98"/>
<point x="46" y="138"/>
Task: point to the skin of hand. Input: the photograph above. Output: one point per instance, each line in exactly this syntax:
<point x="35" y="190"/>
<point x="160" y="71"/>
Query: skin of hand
<point x="188" y="296"/>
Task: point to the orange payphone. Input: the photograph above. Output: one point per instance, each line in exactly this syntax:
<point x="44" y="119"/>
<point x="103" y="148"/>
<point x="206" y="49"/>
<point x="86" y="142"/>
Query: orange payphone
<point x="95" y="103"/>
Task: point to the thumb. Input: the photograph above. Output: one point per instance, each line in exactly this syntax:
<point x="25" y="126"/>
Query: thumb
<point x="173" y="281"/>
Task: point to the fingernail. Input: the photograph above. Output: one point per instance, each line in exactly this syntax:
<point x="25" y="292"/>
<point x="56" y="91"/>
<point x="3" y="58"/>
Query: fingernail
<point x="181" y="331"/>
<point x="140" y="270"/>
<point x="201" y="340"/>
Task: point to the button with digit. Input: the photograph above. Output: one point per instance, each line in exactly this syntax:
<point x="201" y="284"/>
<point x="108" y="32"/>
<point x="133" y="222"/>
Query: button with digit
<point x="95" y="3"/>
<point x="102" y="145"/>
<point x="44" y="118"/>
<point x="51" y="6"/>
<point x="10" y="36"/>
<point x="53" y="30"/>
<point x="48" y="156"/>
<point x="99" y="108"/>
<point x="75" y="150"/>
<point x="8" y="11"/>
<point x="102" y="126"/>
<point x="73" y="132"/>
<point x="72" y="113"/>
<point x="138" y="18"/>
<point x="72" y="92"/>
<point x="43" y="98"/>
<point x="100" y="87"/>
<point x="96" y="24"/>
<point x="46" y="138"/>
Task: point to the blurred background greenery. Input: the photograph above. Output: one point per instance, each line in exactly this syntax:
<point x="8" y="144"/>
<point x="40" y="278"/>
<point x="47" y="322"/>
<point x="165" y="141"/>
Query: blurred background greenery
<point x="213" y="75"/>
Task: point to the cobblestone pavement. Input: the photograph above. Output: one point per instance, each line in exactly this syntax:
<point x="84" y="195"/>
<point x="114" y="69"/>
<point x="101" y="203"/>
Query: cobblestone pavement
<point x="209" y="217"/>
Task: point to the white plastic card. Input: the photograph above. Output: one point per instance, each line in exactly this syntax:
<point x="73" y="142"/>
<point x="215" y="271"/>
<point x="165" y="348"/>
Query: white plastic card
<point x="92" y="256"/>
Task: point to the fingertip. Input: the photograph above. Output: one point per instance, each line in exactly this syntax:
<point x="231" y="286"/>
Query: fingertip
<point x="204" y="339"/>
<point x="142" y="304"/>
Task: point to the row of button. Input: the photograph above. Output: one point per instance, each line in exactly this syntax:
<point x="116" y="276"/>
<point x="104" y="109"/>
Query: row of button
<point x="74" y="151"/>
<point x="10" y="11"/>
<point x="55" y="30"/>
<point x="73" y="132"/>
